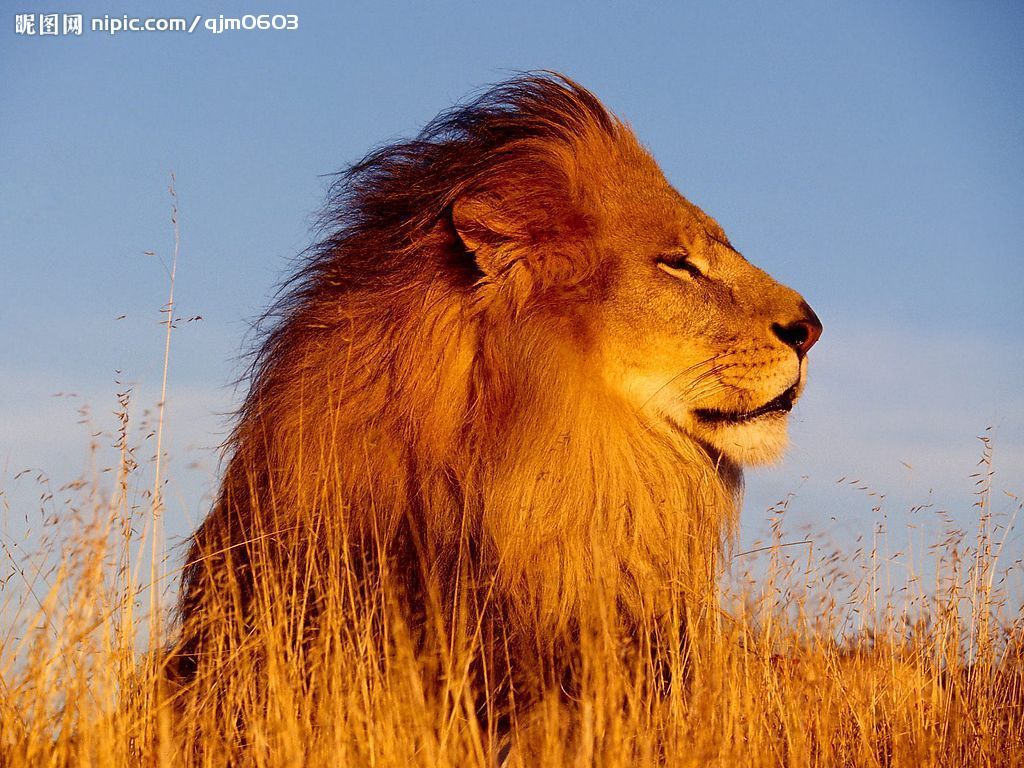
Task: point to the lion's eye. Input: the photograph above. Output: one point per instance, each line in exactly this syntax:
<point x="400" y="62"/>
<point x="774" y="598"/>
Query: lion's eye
<point x="679" y="261"/>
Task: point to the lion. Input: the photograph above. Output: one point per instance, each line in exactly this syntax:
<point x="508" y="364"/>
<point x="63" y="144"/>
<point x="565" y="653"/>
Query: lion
<point x="519" y="366"/>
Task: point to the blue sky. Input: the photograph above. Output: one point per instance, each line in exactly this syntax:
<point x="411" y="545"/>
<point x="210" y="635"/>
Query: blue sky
<point x="871" y="155"/>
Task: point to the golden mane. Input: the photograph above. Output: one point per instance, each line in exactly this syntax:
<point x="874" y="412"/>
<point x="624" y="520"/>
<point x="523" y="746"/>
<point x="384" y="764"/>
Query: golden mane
<point x="414" y="410"/>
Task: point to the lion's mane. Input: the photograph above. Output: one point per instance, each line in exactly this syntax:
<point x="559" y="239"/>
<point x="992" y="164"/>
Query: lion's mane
<point x="412" y="410"/>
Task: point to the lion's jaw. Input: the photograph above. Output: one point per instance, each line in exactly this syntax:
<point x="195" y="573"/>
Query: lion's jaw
<point x="749" y="431"/>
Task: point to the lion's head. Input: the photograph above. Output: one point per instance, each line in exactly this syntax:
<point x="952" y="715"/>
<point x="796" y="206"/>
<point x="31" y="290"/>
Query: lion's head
<point x="517" y="343"/>
<point x="582" y="226"/>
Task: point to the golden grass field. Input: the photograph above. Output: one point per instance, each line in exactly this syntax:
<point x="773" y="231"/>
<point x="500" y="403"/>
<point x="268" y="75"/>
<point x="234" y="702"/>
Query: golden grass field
<point x="821" y="659"/>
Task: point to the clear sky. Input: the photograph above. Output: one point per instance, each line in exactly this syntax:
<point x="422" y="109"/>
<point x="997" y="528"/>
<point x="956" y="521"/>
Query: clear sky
<point x="869" y="154"/>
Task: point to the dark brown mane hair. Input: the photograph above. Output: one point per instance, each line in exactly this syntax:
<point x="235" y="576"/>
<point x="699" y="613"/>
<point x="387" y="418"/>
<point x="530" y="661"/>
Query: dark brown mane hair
<point x="381" y="208"/>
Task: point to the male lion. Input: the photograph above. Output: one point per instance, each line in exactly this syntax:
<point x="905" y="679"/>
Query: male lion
<point x="517" y="382"/>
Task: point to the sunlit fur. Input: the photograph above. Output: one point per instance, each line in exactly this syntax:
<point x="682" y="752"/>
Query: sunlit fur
<point x="482" y="373"/>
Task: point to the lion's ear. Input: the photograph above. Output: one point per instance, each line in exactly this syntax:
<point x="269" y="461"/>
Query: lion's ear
<point x="524" y="218"/>
<point x="484" y="230"/>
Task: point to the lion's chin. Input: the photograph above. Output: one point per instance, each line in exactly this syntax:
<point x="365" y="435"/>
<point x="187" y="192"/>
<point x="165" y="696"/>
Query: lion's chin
<point x="754" y="442"/>
<point x="752" y="437"/>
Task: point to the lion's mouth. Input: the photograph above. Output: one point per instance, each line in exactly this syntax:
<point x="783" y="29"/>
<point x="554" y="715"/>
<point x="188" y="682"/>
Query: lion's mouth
<point x="781" y="404"/>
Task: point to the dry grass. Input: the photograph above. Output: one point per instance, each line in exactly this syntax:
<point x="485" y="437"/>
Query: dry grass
<point x="780" y="676"/>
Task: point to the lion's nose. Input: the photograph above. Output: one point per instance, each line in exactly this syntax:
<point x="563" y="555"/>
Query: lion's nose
<point x="801" y="334"/>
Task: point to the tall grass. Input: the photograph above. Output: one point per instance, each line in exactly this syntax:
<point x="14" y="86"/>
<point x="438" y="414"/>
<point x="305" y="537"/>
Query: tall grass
<point x="820" y="659"/>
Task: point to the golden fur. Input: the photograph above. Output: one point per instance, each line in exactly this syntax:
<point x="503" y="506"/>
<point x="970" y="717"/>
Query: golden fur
<point x="519" y="358"/>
